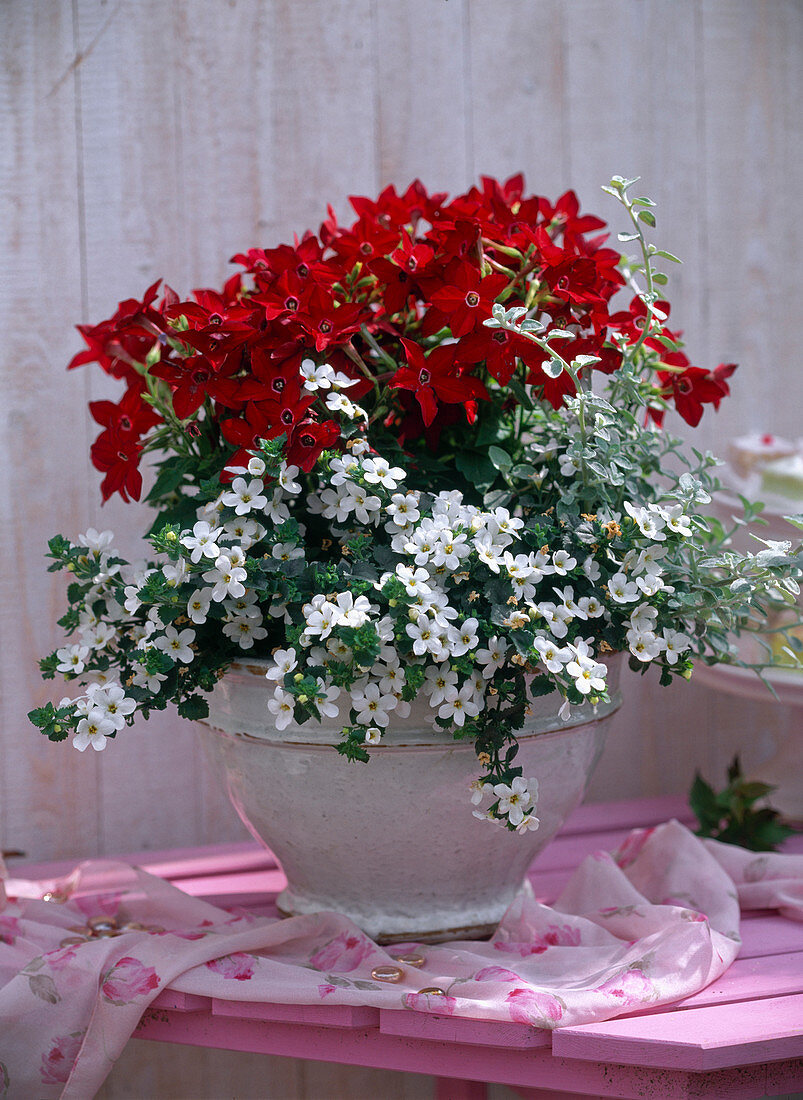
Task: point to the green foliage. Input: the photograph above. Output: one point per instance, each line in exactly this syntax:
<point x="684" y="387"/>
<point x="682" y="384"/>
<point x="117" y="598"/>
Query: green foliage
<point x="730" y="815"/>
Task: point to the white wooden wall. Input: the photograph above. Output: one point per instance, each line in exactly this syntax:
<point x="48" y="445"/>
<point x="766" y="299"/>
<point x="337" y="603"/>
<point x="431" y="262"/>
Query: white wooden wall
<point x="147" y="138"/>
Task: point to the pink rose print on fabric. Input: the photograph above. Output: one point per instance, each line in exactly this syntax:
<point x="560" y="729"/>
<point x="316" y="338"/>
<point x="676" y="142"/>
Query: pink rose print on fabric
<point x="555" y="936"/>
<point x="9" y="930"/>
<point x="628" y="988"/>
<point x="60" y="1059"/>
<point x="100" y="905"/>
<point x="127" y="980"/>
<point x="629" y="851"/>
<point x="430" y="1002"/>
<point x="496" y="974"/>
<point x="529" y="1006"/>
<point x="345" y="952"/>
<point x="325" y="989"/>
<point x="238" y="966"/>
<point x="756" y="869"/>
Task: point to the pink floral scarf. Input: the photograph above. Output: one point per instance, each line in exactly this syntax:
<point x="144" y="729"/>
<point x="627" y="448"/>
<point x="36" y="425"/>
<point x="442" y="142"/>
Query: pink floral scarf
<point x="656" y="922"/>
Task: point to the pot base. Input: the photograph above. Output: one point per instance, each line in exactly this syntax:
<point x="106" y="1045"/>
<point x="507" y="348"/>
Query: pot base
<point x="285" y="907"/>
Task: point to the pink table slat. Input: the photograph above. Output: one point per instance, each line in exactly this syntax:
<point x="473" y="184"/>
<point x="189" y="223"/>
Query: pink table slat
<point x="694" y="1039"/>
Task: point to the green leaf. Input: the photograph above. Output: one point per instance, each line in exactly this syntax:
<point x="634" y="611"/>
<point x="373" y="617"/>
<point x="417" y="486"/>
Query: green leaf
<point x="501" y="459"/>
<point x="668" y="256"/>
<point x="169" y="478"/>
<point x="193" y="707"/>
<point x="476" y="468"/>
<point x="647" y="217"/>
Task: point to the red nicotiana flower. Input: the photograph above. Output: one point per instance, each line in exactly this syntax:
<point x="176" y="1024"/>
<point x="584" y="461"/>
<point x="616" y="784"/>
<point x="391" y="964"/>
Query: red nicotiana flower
<point x="116" y="453"/>
<point x="467" y="303"/>
<point x="435" y="378"/>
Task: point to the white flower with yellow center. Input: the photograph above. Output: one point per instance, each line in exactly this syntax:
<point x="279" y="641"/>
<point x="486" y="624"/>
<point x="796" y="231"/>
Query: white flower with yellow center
<point x="93" y="730"/>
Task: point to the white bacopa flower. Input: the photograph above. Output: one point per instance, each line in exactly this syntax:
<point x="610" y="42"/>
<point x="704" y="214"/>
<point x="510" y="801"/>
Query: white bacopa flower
<point x="459" y="705"/>
<point x="244" y="630"/>
<point x="202" y="542"/>
<point x="649" y="583"/>
<point x="591" y="569"/>
<point x="450" y="549"/>
<point x="415" y="581"/>
<point x="554" y="620"/>
<point x="651" y="524"/>
<point x="563" y="563"/>
<point x="96" y="541"/>
<point x="151" y="681"/>
<point x="281" y="707"/>
<point x="514" y="800"/>
<point x="276" y="510"/>
<point x="286" y="551"/>
<point x="493" y="656"/>
<point x="529" y="823"/>
<point x="643" y="617"/>
<point x="226" y="579"/>
<point x="424" y="635"/>
<point x="552" y="656"/>
<point x="373" y="735"/>
<point x="338" y="402"/>
<point x="93" y="730"/>
<point x="285" y="661"/>
<point x="175" y="572"/>
<point x="501" y="520"/>
<point x="287" y="476"/>
<point x="372" y="706"/>
<point x="341" y="381"/>
<point x="98" y="635"/>
<point x="403" y="509"/>
<point x="377" y="471"/>
<point x="256" y="466"/>
<point x="245" y="496"/>
<point x="566" y="606"/>
<point x="487" y="551"/>
<point x="198" y="605"/>
<point x="316" y="377"/>
<point x="72" y="658"/>
<point x="113" y="703"/>
<point x="341" y="469"/>
<point x="325" y="699"/>
<point x="437" y="680"/>
<point x="588" y="675"/>
<point x="675" y="643"/>
<point x="177" y="645"/>
<point x="245" y="530"/>
<point x="320" y="617"/>
<point x="675" y="520"/>
<point x="621" y="589"/>
<point x="464" y="637"/>
<point x="644" y="644"/>
<point x="351" y="611"/>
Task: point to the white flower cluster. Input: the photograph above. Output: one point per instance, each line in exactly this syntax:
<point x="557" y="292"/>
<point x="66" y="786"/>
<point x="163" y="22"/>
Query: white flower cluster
<point x="421" y="627"/>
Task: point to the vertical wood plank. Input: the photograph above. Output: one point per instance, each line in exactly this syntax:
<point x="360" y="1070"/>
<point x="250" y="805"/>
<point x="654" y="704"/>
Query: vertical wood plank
<point x="138" y="226"/>
<point x="754" y="173"/>
<point x="422" y="94"/>
<point x="518" y="106"/>
<point x="323" y="111"/>
<point x="47" y="805"/>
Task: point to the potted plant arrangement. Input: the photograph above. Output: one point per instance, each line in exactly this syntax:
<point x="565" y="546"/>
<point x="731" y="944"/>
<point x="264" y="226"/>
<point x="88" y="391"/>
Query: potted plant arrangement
<point x="414" y="504"/>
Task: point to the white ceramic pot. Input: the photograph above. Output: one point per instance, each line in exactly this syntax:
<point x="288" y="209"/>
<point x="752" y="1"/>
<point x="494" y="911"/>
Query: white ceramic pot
<point x="393" y="843"/>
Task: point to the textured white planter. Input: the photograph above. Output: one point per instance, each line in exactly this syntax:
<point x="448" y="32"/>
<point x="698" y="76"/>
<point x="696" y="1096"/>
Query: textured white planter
<point x="393" y="843"/>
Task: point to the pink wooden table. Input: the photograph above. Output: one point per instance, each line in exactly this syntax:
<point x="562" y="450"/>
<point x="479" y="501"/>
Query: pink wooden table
<point x="740" y="1038"/>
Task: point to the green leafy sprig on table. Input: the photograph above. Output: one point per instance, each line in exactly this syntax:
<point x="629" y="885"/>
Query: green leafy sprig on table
<point x="730" y="815"/>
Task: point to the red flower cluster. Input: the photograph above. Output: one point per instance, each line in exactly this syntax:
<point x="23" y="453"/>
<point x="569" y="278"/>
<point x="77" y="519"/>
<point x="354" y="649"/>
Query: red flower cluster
<point x="408" y="287"/>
